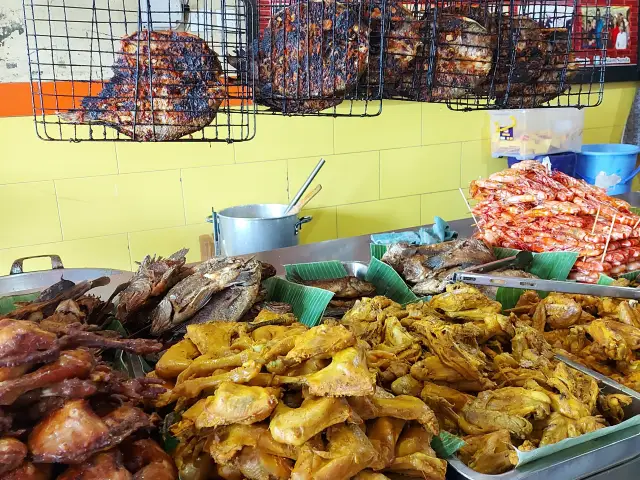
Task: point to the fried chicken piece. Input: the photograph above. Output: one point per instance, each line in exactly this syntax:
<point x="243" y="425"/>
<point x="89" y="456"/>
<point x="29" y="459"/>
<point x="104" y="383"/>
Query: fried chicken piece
<point x="73" y="433"/>
<point x="612" y="342"/>
<point x="578" y="393"/>
<point x="460" y="354"/>
<point x="148" y="461"/>
<point x="514" y="400"/>
<point x="349" y="451"/>
<point x="101" y="466"/>
<point x="30" y="471"/>
<point x="456" y="399"/>
<point x="347" y="375"/>
<point x="227" y="441"/>
<point x="194" y="387"/>
<point x="12" y="454"/>
<point x="23" y="342"/>
<point x="370" y="475"/>
<point x="628" y="315"/>
<point x="256" y="464"/>
<point x="464" y="302"/>
<point x="402" y="407"/>
<point x="70" y="364"/>
<point x="505" y="408"/>
<point x="322" y="341"/>
<point x="212" y="338"/>
<point x="295" y="426"/>
<point x="558" y="311"/>
<point x="383" y="433"/>
<point x="612" y="406"/>
<point x="176" y="359"/>
<point x="491" y="454"/>
<point x="366" y="318"/>
<point x="237" y="404"/>
<point x="206" y="365"/>
<point x="432" y="369"/>
<point x="407" y="385"/>
<point x="415" y="457"/>
<point x="558" y="427"/>
<point x="396" y="336"/>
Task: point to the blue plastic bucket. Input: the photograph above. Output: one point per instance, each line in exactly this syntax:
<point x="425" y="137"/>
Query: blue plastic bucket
<point x="608" y="165"/>
<point x="564" y="162"/>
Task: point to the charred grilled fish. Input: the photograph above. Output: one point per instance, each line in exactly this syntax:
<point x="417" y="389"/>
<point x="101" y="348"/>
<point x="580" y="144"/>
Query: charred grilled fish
<point x="165" y="85"/>
<point x="54" y="290"/>
<point x="191" y="294"/>
<point x="335" y="54"/>
<point x="155" y="276"/>
<point x="345" y="287"/>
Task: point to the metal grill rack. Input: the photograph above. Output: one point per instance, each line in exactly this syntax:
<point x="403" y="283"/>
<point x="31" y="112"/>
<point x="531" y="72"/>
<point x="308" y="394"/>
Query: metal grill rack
<point x="485" y="55"/>
<point x="140" y="70"/>
<point x="318" y="57"/>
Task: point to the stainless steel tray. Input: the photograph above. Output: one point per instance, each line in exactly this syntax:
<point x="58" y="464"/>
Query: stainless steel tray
<point x="581" y="461"/>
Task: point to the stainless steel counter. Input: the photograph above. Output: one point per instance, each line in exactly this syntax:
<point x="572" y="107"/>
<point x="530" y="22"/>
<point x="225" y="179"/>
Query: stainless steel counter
<point x="344" y="249"/>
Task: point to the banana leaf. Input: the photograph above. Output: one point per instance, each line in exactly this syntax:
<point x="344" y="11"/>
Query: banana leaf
<point x="8" y="304"/>
<point x="308" y="303"/>
<point x="377" y="250"/>
<point x="315" y="270"/>
<point x="389" y="283"/>
<point x="445" y="444"/>
<point x="547" y="266"/>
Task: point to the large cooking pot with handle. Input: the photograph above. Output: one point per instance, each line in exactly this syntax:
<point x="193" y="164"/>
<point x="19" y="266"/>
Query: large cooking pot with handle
<point x="19" y="282"/>
<point x="255" y="228"/>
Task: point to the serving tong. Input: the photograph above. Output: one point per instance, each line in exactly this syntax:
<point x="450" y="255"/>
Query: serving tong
<point x="479" y="276"/>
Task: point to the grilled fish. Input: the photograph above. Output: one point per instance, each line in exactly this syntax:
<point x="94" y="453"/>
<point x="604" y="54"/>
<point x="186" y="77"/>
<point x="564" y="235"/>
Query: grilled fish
<point x="188" y="296"/>
<point x="165" y="85"/>
<point x="427" y="267"/>
<point x="298" y="80"/>
<point x="232" y="303"/>
<point x="154" y="277"/>
<point x="345" y="287"/>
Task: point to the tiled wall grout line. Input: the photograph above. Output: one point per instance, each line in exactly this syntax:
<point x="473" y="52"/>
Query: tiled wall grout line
<point x="55" y="189"/>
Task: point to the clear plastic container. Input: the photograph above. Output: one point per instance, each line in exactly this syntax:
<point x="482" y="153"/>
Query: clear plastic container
<point x="525" y="134"/>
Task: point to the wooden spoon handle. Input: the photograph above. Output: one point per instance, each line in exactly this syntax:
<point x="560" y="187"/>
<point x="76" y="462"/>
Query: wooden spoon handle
<point x="304" y="200"/>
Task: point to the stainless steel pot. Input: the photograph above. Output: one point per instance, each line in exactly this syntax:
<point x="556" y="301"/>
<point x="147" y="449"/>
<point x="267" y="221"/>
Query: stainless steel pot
<point x="18" y="282"/>
<point x="255" y="228"/>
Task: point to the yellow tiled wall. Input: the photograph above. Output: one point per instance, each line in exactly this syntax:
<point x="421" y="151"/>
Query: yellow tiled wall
<point x="108" y="204"/>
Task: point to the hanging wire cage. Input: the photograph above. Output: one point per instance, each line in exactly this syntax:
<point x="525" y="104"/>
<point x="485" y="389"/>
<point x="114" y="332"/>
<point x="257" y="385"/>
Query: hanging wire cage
<point x="485" y="55"/>
<point x="139" y="70"/>
<point x="318" y="57"/>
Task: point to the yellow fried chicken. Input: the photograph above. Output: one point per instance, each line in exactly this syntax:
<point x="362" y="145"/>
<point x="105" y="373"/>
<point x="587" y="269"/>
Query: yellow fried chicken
<point x="407" y="385"/>
<point x="612" y="342"/>
<point x="612" y="406"/>
<point x="176" y="359"/>
<point x="491" y="453"/>
<point x="557" y="311"/>
<point x="255" y="464"/>
<point x="295" y="426"/>
<point x="415" y="457"/>
<point x="560" y="427"/>
<point x="348" y="452"/>
<point x="457" y="399"/>
<point x="234" y="403"/>
<point x="464" y="302"/>
<point x="383" y="433"/>
<point x="402" y="407"/>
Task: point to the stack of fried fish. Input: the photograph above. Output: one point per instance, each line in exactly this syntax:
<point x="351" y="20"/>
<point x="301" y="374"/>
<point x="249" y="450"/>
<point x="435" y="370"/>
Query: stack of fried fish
<point x="164" y="294"/>
<point x="64" y="413"/>
<point x="357" y="397"/>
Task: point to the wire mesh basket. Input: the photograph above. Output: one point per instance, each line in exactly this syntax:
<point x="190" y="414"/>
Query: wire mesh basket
<point x="139" y="70"/>
<point x="318" y="57"/>
<point x="484" y="55"/>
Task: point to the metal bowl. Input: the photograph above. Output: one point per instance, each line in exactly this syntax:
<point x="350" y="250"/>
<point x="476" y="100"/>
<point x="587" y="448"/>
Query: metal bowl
<point x="356" y="269"/>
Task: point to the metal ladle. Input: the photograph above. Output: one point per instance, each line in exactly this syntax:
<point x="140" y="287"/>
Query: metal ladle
<point x="305" y="186"/>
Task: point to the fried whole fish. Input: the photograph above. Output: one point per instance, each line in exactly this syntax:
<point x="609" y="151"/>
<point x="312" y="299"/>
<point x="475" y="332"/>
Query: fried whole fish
<point x="154" y="277"/>
<point x="188" y="296"/>
<point x="427" y="267"/>
<point x="345" y="287"/>
<point x="232" y="303"/>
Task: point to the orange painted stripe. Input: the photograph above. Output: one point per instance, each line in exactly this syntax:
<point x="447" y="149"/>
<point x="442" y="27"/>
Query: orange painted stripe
<point x="59" y="96"/>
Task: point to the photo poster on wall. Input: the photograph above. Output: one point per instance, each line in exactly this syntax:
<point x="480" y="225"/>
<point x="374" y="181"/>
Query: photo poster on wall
<point x="598" y="33"/>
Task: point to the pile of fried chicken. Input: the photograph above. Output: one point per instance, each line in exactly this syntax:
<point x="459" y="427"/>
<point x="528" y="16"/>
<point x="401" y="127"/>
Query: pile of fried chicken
<point x="363" y="396"/>
<point x="600" y="333"/>
<point x="64" y="412"/>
